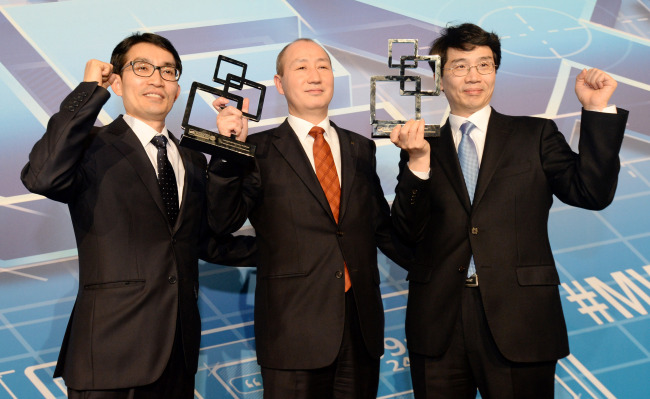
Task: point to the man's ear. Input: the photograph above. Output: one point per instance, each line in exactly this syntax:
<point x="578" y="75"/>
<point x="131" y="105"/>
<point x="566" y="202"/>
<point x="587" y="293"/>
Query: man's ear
<point x="277" y="79"/>
<point x="117" y="85"/>
<point x="178" y="93"/>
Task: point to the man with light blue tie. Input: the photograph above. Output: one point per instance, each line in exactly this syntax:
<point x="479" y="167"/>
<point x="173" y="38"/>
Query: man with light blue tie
<point x="484" y="308"/>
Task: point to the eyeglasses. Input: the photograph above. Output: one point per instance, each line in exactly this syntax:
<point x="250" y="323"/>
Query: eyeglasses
<point x="145" y="69"/>
<point x="483" y="67"/>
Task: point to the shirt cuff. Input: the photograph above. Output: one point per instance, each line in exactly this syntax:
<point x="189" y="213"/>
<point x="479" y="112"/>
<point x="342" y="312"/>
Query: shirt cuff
<point x="420" y="175"/>
<point x="610" y="109"/>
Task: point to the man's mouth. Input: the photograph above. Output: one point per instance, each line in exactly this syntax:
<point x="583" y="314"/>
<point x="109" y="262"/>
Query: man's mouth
<point x="473" y="92"/>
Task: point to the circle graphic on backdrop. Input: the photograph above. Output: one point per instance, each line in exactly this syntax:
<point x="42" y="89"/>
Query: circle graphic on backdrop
<point x="537" y="32"/>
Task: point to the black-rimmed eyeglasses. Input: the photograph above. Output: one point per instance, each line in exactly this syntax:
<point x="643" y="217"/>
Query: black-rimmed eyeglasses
<point x="146" y="69"/>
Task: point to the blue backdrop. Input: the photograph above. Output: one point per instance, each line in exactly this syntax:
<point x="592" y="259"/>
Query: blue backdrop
<point x="602" y="256"/>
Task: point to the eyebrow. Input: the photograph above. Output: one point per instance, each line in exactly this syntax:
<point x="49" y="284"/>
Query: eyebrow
<point x="487" y="57"/>
<point x="171" y="64"/>
<point x="306" y="60"/>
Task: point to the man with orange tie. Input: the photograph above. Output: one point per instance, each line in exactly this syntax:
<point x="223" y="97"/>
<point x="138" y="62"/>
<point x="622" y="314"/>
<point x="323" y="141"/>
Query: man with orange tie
<point x="319" y="213"/>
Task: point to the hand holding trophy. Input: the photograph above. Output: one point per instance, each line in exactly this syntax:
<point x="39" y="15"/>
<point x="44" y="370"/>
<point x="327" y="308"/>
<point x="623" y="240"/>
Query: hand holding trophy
<point x="224" y="145"/>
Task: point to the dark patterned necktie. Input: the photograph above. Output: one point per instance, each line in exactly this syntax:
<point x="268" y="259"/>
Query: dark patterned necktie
<point x="328" y="178"/>
<point x="166" y="179"/>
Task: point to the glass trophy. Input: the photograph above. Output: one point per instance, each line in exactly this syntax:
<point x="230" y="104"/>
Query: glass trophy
<point x="383" y="128"/>
<point x="205" y="140"/>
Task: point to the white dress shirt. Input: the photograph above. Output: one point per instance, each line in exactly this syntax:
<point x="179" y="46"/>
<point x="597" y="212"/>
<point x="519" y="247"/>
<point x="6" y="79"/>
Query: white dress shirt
<point x="301" y="127"/>
<point x="480" y="120"/>
<point x="145" y="133"/>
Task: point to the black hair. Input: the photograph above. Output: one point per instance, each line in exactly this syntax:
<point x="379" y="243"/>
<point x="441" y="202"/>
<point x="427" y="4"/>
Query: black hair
<point x="465" y="37"/>
<point x="118" y="58"/>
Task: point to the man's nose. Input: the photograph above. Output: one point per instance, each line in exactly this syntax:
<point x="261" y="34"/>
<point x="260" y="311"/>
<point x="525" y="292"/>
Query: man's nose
<point x="472" y="73"/>
<point x="314" y="75"/>
<point x="156" y="78"/>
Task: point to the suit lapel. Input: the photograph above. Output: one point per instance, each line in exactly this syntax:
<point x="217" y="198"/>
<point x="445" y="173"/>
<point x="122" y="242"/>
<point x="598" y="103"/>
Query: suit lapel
<point x="445" y="152"/>
<point x="129" y="145"/>
<point x="190" y="170"/>
<point x="349" y="152"/>
<point x="496" y="140"/>
<point x="288" y="145"/>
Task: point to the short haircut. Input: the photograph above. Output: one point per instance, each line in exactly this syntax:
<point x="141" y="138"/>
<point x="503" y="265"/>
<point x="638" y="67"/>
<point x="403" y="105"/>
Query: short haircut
<point x="118" y="58"/>
<point x="465" y="37"/>
<point x="279" y="62"/>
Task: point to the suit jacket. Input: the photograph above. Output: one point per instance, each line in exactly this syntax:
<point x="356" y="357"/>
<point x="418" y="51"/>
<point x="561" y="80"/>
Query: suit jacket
<point x="299" y="297"/>
<point x="525" y="162"/>
<point x="138" y="276"/>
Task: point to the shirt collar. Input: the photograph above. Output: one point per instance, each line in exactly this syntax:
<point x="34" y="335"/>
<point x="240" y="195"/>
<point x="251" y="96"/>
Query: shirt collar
<point x="143" y="131"/>
<point x="479" y="118"/>
<point x="301" y="127"/>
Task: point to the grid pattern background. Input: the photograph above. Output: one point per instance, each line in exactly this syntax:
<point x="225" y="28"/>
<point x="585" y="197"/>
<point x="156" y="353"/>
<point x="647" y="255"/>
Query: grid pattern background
<point x="603" y="257"/>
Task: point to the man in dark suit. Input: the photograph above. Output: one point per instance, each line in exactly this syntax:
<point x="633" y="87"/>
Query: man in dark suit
<point x="318" y="311"/>
<point x="135" y="328"/>
<point x="484" y="307"/>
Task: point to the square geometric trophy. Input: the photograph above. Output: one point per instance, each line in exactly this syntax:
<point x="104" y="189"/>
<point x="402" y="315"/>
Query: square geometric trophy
<point x="207" y="141"/>
<point x="381" y="128"/>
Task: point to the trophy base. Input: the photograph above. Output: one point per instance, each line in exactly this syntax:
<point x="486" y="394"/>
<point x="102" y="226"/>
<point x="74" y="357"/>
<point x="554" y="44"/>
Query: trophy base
<point x="219" y="145"/>
<point x="383" y="130"/>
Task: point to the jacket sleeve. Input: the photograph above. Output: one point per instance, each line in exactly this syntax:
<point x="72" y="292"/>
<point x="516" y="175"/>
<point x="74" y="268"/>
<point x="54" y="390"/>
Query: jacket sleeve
<point x="232" y="192"/>
<point x="52" y="168"/>
<point x="587" y="179"/>
<point x="385" y="235"/>
<point x="411" y="207"/>
<point x="229" y="250"/>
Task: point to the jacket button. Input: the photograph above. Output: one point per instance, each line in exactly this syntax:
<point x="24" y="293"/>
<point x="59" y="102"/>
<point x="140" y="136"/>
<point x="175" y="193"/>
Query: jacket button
<point x="71" y="108"/>
<point x="475" y="230"/>
<point x="462" y="269"/>
<point x="172" y="279"/>
<point x="338" y="274"/>
<point x="339" y="233"/>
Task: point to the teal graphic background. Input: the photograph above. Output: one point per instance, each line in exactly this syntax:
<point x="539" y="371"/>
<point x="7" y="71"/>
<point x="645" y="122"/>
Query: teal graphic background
<point x="603" y="257"/>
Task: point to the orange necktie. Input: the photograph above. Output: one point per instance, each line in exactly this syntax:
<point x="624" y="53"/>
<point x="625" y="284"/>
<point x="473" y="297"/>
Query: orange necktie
<point x="328" y="178"/>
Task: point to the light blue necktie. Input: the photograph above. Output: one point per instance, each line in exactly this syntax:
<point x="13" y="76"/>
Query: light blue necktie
<point x="469" y="164"/>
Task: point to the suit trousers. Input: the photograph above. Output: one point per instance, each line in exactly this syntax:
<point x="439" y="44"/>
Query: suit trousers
<point x="353" y="375"/>
<point x="473" y="361"/>
<point x="174" y="383"/>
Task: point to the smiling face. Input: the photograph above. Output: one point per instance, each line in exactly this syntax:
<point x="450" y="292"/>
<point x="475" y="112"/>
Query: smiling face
<point x="472" y="92"/>
<point x="307" y="81"/>
<point x="148" y="99"/>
